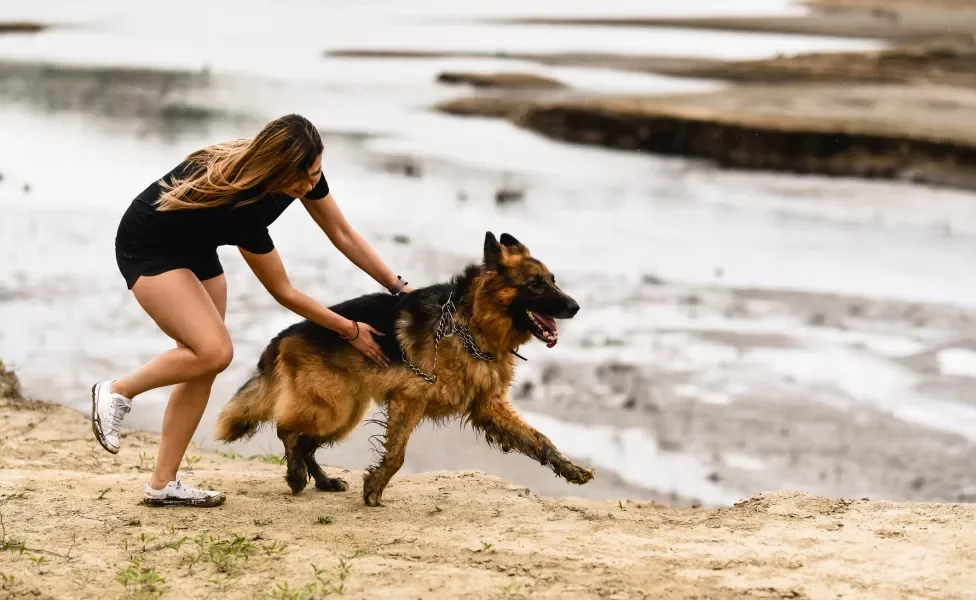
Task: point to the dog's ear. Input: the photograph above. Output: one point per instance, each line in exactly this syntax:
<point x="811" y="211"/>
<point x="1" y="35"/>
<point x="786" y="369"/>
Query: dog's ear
<point x="512" y="245"/>
<point x="493" y="252"/>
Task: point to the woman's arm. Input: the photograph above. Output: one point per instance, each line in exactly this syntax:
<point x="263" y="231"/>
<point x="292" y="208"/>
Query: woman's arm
<point x="325" y="212"/>
<point x="270" y="271"/>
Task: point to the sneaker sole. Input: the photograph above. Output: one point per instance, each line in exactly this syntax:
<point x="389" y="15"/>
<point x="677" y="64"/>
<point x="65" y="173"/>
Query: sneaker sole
<point x="205" y="503"/>
<point x="96" y="423"/>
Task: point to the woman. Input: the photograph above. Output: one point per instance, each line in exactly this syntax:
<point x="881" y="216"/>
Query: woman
<point x="166" y="249"/>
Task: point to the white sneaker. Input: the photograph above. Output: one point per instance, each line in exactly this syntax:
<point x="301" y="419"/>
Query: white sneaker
<point x="177" y="493"/>
<point x="108" y="410"/>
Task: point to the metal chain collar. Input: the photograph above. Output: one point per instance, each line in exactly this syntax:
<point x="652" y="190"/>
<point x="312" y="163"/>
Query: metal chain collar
<point x="444" y="331"/>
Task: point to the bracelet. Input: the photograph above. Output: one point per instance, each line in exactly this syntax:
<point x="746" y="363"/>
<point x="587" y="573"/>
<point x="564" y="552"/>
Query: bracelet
<point x="354" y="337"/>
<point x="402" y="283"/>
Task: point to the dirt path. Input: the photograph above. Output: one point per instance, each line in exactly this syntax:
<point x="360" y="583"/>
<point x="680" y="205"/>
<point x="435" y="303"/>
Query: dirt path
<point x="73" y="527"/>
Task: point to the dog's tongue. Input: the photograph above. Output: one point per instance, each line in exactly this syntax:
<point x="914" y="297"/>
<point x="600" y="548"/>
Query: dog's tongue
<point x="550" y="324"/>
<point x="548" y="321"/>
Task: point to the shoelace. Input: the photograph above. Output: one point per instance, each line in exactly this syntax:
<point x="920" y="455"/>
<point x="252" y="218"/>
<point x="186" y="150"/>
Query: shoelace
<point x="179" y="485"/>
<point x="119" y="411"/>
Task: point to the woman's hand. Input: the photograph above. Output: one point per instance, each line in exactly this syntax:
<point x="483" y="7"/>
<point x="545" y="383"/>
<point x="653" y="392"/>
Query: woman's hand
<point x="364" y="342"/>
<point x="271" y="273"/>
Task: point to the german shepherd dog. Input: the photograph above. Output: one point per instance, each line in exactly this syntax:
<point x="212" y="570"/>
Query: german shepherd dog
<point x="452" y="354"/>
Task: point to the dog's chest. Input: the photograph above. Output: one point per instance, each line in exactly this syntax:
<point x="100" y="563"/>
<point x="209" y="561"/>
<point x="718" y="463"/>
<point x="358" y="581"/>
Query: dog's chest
<point x="478" y="379"/>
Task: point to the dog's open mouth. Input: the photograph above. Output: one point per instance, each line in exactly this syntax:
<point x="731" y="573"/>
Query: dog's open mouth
<point x="544" y="328"/>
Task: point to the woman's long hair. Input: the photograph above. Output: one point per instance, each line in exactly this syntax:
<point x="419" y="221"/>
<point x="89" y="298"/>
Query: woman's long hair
<point x="278" y="157"/>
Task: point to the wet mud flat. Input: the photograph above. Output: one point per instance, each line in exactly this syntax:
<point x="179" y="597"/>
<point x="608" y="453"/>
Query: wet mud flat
<point x="903" y="112"/>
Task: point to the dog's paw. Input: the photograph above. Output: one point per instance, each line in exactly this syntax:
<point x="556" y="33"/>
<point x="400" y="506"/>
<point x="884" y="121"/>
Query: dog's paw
<point x="373" y="498"/>
<point x="296" y="484"/>
<point x="332" y="484"/>
<point x="578" y="475"/>
<point x="372" y="491"/>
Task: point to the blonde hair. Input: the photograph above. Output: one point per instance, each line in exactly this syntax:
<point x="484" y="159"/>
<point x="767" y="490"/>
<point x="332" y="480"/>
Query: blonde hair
<point x="278" y="157"/>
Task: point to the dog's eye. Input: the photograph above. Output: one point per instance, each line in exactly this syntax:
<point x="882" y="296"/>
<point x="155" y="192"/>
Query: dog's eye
<point x="537" y="286"/>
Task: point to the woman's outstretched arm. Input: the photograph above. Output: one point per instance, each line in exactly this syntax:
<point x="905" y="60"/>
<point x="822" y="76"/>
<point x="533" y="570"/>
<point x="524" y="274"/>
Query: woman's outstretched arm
<point x="327" y="215"/>
<point x="270" y="272"/>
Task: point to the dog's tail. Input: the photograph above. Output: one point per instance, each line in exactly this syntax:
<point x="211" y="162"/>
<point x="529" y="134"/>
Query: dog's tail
<point x="253" y="403"/>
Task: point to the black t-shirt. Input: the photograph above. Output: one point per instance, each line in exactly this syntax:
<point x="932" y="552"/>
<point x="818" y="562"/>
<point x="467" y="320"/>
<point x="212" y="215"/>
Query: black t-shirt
<point x="145" y="231"/>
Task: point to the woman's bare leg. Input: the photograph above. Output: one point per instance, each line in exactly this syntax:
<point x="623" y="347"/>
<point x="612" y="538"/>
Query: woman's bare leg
<point x="192" y="313"/>
<point x="186" y="405"/>
<point x="183" y="308"/>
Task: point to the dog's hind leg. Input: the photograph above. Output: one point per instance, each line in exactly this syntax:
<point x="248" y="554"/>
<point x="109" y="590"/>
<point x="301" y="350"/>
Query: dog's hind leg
<point x="403" y="415"/>
<point x="503" y="427"/>
<point x="297" y="474"/>
<point x="307" y="445"/>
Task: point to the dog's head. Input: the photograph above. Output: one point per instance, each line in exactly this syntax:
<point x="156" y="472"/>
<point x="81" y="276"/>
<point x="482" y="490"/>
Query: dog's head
<point x="525" y="289"/>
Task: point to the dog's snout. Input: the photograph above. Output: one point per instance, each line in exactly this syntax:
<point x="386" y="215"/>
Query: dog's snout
<point x="572" y="307"/>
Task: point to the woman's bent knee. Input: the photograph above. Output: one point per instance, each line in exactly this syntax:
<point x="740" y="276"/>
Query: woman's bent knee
<point x="216" y="358"/>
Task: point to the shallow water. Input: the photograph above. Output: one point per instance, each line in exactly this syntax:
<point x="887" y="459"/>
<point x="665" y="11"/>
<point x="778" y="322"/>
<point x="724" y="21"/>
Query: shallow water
<point x="85" y="142"/>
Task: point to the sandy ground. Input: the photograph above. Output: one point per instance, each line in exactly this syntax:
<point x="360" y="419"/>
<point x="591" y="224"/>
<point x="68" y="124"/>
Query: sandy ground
<point x="73" y="528"/>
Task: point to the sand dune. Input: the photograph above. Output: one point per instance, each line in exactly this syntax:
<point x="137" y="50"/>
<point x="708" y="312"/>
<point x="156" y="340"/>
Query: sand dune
<point x="73" y="528"/>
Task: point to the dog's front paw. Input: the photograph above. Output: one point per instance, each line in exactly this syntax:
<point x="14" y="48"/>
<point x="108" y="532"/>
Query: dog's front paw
<point x="577" y="475"/>
<point x="373" y="498"/>
<point x="297" y="479"/>
<point x="372" y="493"/>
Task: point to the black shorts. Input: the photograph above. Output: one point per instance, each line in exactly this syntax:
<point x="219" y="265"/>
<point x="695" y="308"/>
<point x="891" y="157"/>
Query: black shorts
<point x="205" y="265"/>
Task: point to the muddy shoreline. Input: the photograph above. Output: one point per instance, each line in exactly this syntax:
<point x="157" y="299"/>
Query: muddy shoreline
<point x="865" y="132"/>
<point x="943" y="63"/>
<point x="895" y="21"/>
<point x="514" y="81"/>
<point x="878" y="23"/>
<point x="901" y="113"/>
<point x="745" y="142"/>
<point x="802" y="116"/>
<point x="14" y="27"/>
